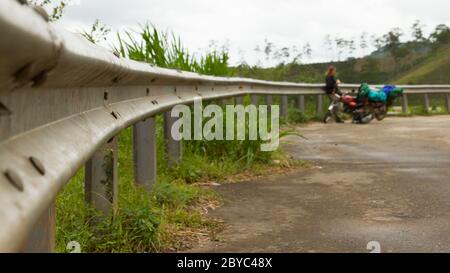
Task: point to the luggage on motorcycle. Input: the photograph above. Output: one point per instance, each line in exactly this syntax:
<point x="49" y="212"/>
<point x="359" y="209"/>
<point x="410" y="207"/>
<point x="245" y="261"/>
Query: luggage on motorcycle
<point x="375" y="96"/>
<point x="392" y="91"/>
<point x="372" y="95"/>
<point x="364" y="91"/>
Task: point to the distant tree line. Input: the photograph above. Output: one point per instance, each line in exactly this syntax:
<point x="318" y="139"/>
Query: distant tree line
<point x="340" y="49"/>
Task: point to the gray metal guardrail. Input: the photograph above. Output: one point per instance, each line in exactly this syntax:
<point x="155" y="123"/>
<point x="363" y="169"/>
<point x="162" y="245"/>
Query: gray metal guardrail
<point x="62" y="102"/>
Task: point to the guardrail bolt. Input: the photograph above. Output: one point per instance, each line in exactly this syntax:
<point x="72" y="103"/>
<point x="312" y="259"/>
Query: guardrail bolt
<point x="116" y="79"/>
<point x="23" y="73"/>
<point x="40" y="79"/>
<point x="37" y="164"/>
<point x="15" y="180"/>
<point x="115" y="114"/>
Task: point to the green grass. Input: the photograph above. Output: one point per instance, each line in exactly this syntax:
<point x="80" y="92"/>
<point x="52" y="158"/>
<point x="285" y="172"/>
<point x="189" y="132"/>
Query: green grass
<point x="435" y="69"/>
<point x="143" y="220"/>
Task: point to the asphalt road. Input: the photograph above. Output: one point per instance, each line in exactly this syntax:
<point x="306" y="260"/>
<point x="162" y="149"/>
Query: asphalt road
<point x="387" y="182"/>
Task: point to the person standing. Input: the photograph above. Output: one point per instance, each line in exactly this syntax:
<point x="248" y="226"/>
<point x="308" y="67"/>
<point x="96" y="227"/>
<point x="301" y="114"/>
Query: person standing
<point x="332" y="88"/>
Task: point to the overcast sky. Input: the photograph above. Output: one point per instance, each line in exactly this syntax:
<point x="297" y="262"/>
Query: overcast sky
<point x="244" y="24"/>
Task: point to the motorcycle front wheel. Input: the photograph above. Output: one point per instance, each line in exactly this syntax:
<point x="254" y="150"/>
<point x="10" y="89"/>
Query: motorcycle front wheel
<point x="328" y="117"/>
<point x="381" y="115"/>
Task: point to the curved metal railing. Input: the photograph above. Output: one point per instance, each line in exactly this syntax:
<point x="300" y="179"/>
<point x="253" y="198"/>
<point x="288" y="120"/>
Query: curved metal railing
<point x="62" y="101"/>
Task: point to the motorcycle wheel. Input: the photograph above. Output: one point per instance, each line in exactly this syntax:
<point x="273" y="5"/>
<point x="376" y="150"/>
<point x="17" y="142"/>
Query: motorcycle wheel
<point x="328" y="117"/>
<point x="366" y="119"/>
<point x="381" y="115"/>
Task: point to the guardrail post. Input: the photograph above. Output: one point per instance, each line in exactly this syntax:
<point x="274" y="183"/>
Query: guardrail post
<point x="42" y="238"/>
<point x="427" y="102"/>
<point x="405" y="107"/>
<point x="301" y="103"/>
<point x="319" y="106"/>
<point x="144" y="150"/>
<point x="447" y="102"/>
<point x="225" y="102"/>
<point x="239" y="100"/>
<point x="268" y="100"/>
<point x="173" y="147"/>
<point x="284" y="106"/>
<point x="101" y="179"/>
<point x="255" y="100"/>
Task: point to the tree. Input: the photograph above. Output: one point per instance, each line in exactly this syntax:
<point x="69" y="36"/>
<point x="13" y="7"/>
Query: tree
<point x="441" y="35"/>
<point x="351" y="46"/>
<point x="307" y="50"/>
<point x="329" y="44"/>
<point x="285" y="54"/>
<point x="363" y="44"/>
<point x="55" y="9"/>
<point x="268" y="48"/>
<point x="417" y="32"/>
<point x="392" y="43"/>
<point x="377" y="42"/>
<point x="340" y="45"/>
<point x="392" y="38"/>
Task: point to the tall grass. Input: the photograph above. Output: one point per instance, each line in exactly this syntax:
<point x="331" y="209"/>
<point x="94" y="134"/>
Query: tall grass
<point x="165" y="49"/>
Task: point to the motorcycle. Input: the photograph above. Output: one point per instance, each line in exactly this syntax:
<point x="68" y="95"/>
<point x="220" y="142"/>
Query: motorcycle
<point x="361" y="108"/>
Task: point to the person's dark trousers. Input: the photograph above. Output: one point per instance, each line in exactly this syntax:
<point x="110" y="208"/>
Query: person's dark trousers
<point x="336" y="110"/>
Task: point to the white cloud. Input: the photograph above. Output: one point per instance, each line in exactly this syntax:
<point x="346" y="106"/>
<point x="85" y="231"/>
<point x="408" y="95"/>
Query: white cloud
<point x="246" y="23"/>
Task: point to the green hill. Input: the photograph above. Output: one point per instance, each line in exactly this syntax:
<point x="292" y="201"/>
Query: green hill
<point x="435" y="69"/>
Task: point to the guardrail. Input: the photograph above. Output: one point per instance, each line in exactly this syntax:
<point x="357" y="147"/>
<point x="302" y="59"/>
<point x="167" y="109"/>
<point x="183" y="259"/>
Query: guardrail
<point x="62" y="102"/>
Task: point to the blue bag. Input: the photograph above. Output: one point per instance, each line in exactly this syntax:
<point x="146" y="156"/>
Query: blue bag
<point x="377" y="96"/>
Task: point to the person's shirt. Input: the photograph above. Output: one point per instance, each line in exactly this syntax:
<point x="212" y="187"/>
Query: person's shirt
<point x="331" y="84"/>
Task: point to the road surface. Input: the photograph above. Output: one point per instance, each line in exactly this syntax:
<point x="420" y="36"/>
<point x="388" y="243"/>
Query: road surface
<point x="387" y="182"/>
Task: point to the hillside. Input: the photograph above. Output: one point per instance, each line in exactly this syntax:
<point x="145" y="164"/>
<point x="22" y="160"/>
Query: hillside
<point x="421" y="66"/>
<point x="435" y="69"/>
